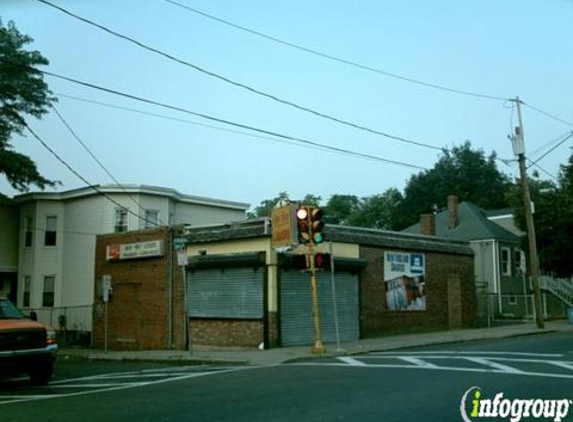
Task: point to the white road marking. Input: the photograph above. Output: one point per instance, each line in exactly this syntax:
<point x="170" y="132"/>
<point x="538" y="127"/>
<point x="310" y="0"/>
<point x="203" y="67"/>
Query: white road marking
<point x="418" y="362"/>
<point x="470" y="352"/>
<point x="562" y="364"/>
<point x="438" y="368"/>
<point x="351" y="361"/>
<point x="90" y="385"/>
<point x="499" y="366"/>
<point x="114" y="386"/>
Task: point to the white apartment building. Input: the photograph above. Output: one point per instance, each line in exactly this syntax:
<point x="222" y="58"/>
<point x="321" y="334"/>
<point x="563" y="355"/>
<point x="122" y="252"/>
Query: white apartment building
<point x="47" y="240"/>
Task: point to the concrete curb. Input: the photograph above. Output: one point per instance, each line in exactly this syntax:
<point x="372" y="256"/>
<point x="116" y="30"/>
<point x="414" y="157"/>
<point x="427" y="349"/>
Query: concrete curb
<point x="255" y="357"/>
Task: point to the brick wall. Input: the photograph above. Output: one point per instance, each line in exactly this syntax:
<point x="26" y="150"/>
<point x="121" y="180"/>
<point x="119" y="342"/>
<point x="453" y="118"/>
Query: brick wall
<point x="138" y="309"/>
<point x="226" y="332"/>
<point x="441" y="270"/>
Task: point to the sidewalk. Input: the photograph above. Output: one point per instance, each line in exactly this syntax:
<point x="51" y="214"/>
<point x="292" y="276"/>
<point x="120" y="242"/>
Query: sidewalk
<point x="239" y="356"/>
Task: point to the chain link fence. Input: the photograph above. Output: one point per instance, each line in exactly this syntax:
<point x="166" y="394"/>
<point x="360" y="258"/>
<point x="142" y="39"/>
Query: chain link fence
<point x="73" y="323"/>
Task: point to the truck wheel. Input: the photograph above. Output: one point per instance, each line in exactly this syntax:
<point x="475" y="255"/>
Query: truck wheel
<point x="42" y="374"/>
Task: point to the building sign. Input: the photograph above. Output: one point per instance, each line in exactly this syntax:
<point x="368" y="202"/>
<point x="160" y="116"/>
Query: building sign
<point x="135" y="250"/>
<point x="284" y="226"/>
<point x="404" y="276"/>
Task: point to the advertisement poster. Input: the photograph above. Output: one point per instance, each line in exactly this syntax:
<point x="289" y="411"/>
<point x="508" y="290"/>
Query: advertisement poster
<point x="404" y="278"/>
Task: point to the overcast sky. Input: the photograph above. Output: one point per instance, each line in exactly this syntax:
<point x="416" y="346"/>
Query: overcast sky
<point x="489" y="47"/>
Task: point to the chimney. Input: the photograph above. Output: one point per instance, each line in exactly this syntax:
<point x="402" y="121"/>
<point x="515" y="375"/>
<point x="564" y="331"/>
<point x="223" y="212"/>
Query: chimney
<point x="428" y="224"/>
<point x="452" y="211"/>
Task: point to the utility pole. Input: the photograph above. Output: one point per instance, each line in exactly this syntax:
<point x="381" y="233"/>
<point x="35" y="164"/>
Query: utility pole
<point x="518" y="144"/>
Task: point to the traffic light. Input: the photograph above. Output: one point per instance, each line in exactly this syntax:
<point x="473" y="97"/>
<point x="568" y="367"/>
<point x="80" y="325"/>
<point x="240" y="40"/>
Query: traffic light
<point x="309" y="224"/>
<point x="322" y="261"/>
<point x="317" y="225"/>
<point x="303" y="225"/>
<point x="300" y="262"/>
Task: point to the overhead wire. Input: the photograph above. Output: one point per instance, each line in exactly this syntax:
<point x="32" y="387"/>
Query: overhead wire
<point x="82" y="178"/>
<point x="187" y="121"/>
<point x="239" y="84"/>
<point x="335" y="58"/>
<point x="550" y="143"/>
<point x="552" y="149"/>
<point x="542" y="169"/>
<point x="546" y="114"/>
<point x="235" y="124"/>
<point x="100" y="164"/>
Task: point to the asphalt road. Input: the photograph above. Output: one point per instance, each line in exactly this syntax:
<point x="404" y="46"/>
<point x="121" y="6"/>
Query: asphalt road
<point x="425" y="384"/>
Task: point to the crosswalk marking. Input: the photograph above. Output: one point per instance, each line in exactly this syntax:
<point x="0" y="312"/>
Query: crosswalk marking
<point x="495" y="362"/>
<point x="351" y="361"/>
<point x="496" y="365"/>
<point x="94" y="384"/>
<point x="418" y="362"/>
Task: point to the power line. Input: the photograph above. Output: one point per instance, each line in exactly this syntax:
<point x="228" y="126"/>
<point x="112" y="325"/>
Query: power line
<point x="552" y="149"/>
<point x="239" y="84"/>
<point x="334" y="58"/>
<point x="191" y="122"/>
<point x="542" y="169"/>
<point x="83" y="179"/>
<point x="546" y="114"/>
<point x="240" y="125"/>
<point x="90" y="152"/>
<point x="548" y="144"/>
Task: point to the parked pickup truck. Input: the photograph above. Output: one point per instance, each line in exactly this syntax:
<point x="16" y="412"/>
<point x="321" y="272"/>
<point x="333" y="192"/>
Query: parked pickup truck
<point x="26" y="346"/>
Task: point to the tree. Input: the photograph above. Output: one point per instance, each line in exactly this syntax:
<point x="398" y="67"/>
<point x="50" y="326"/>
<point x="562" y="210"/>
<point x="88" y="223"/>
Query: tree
<point x="380" y="211"/>
<point x="553" y="220"/>
<point x="22" y="92"/>
<point x="265" y="207"/>
<point x="462" y="171"/>
<point x="340" y="209"/>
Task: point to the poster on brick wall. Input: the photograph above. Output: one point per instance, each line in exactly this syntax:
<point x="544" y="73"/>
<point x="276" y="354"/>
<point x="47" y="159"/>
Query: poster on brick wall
<point x="404" y="277"/>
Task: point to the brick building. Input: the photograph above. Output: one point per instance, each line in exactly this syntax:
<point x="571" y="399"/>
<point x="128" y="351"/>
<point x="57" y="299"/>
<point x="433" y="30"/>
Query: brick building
<point x="236" y="290"/>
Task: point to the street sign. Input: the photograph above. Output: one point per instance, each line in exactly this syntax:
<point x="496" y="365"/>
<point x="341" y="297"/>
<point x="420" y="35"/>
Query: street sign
<point x="284" y="226"/>
<point x="179" y="242"/>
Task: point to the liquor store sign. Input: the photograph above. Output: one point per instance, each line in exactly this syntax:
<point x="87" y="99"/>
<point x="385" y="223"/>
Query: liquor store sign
<point x="137" y="250"/>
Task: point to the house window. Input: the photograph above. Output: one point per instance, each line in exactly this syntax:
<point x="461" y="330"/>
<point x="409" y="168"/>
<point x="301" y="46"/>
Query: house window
<point x="120" y="220"/>
<point x="28" y="231"/>
<point x="49" y="288"/>
<point x="519" y="258"/>
<point x="51" y="231"/>
<point x="512" y="300"/>
<point x="151" y="219"/>
<point x="505" y="261"/>
<point x="27" y="287"/>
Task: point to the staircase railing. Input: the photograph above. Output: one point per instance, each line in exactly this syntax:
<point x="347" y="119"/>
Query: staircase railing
<point x="560" y="287"/>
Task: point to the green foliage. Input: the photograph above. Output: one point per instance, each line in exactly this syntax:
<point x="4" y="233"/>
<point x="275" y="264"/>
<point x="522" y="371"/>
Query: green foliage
<point x="265" y="207"/>
<point x="22" y="92"/>
<point x="462" y="171"/>
<point x="380" y="211"/>
<point x="553" y="219"/>
<point x="341" y="208"/>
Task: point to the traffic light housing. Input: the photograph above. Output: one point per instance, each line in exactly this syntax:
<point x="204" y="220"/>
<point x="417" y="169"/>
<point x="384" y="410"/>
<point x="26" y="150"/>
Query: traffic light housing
<point x="321" y="261"/>
<point x="309" y="225"/>
<point x="317" y="225"/>
<point x="303" y="225"/>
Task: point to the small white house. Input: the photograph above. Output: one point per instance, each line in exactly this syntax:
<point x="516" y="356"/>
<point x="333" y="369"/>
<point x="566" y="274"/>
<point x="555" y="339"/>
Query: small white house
<point x="52" y="267"/>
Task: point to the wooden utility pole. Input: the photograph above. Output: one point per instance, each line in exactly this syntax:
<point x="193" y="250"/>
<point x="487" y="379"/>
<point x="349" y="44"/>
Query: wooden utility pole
<point x="519" y="150"/>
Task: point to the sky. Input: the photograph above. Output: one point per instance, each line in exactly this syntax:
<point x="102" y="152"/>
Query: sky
<point x="494" y="48"/>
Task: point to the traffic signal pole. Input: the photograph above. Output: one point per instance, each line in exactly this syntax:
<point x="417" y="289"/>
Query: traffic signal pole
<point x="318" y="347"/>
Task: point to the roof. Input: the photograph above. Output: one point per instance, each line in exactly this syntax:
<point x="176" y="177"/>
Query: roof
<point x="261" y="227"/>
<point x="504" y="212"/>
<point x="473" y="224"/>
<point x="129" y="189"/>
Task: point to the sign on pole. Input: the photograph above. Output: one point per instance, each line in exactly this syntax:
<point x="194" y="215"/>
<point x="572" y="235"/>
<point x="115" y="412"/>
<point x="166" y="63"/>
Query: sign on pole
<point x="284" y="226"/>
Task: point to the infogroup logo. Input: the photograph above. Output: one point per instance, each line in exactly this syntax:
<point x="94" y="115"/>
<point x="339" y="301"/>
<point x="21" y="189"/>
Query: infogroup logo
<point x="513" y="409"/>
